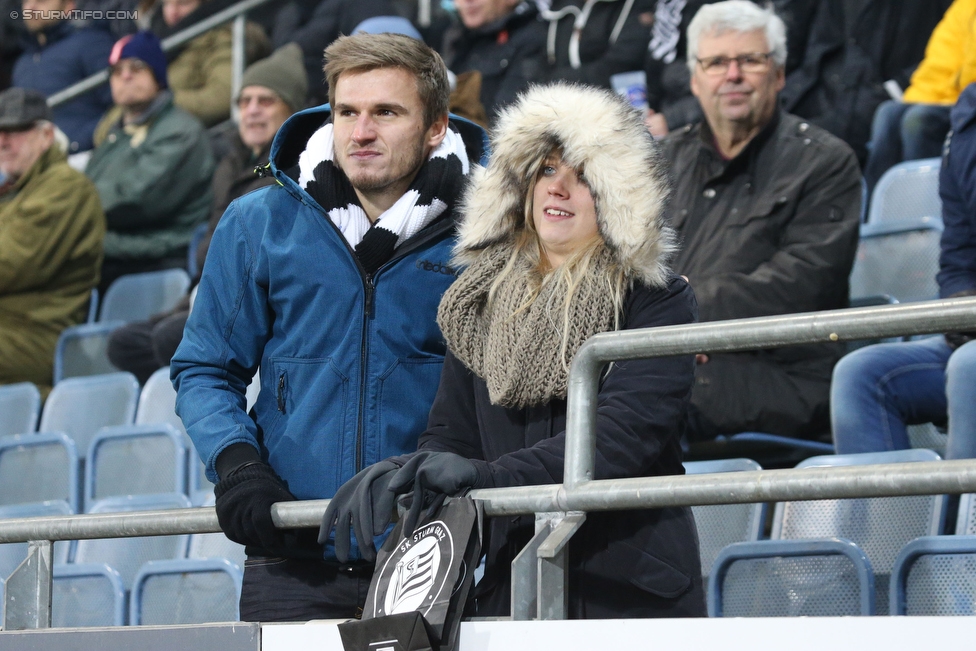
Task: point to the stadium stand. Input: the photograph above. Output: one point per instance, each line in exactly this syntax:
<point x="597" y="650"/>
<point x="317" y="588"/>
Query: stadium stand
<point x="82" y="350"/>
<point x="135" y="297"/>
<point x="87" y="594"/>
<point x="36" y="468"/>
<point x="189" y="591"/>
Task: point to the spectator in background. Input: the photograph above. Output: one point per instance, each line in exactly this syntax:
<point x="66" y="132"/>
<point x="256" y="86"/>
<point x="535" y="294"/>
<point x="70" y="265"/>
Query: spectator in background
<point x="766" y="206"/>
<point x="152" y="166"/>
<point x="313" y="26"/>
<point x="879" y="390"/>
<point x="10" y="39"/>
<point x="199" y="71"/>
<point x="58" y="54"/>
<point x="51" y="248"/>
<point x="668" y="76"/>
<point x="272" y="89"/>
<point x="853" y="48"/>
<point x="592" y="45"/>
<point x="916" y="127"/>
<point x="346" y="254"/>
<point x="503" y="41"/>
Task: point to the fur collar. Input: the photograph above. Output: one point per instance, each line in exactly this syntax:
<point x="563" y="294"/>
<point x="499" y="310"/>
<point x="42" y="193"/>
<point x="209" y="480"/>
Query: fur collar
<point x="597" y="130"/>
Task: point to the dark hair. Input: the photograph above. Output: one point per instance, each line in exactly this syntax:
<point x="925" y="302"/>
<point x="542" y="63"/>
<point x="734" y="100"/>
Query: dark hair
<point x="365" y="52"/>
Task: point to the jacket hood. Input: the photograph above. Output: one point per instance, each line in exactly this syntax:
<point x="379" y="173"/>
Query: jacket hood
<point x="597" y="131"/>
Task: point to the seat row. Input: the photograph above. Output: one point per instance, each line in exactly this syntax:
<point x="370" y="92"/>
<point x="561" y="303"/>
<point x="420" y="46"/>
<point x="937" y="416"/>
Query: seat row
<point x="831" y="557"/>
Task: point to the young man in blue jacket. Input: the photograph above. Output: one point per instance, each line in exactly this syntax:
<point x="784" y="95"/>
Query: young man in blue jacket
<point x="329" y="282"/>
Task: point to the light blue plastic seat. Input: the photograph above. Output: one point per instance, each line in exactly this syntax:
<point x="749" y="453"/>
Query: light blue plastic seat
<point x="880" y="526"/>
<point x="37" y="468"/>
<point x="791" y="578"/>
<point x="87" y="594"/>
<point x="127" y="555"/>
<point x="20" y="405"/>
<point x="720" y="525"/>
<point x="935" y="576"/>
<point x="966" y="519"/>
<point x="82" y="350"/>
<point x="188" y="591"/>
<point x="136" y="297"/>
<point x="81" y="406"/>
<point x="135" y="460"/>
<point x="908" y="190"/>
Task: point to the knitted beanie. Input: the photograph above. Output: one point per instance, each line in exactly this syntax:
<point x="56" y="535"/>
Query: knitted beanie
<point x="284" y="73"/>
<point x="146" y="47"/>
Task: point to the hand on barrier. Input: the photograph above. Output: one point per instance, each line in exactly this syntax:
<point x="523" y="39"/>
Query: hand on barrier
<point x="432" y="476"/>
<point x="364" y="503"/>
<point x="243" y="504"/>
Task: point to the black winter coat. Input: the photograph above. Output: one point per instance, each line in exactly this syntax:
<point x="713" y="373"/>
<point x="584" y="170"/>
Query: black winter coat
<point x="508" y="53"/>
<point x="624" y="563"/>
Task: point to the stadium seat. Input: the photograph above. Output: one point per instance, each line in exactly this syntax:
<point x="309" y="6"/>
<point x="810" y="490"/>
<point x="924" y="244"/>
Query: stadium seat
<point x="82" y="350"/>
<point x="769" y="450"/>
<point x="720" y="525"/>
<point x="880" y="526"/>
<point x="791" y="578"/>
<point x="966" y="519"/>
<point x="187" y="591"/>
<point x="127" y="555"/>
<point x="898" y="259"/>
<point x="909" y="190"/>
<point x="213" y="545"/>
<point x="38" y="468"/>
<point x="935" y="576"/>
<point x="92" y="306"/>
<point x="135" y="460"/>
<point x="89" y="594"/>
<point x="20" y="404"/>
<point x="136" y="297"/>
<point x="81" y="406"/>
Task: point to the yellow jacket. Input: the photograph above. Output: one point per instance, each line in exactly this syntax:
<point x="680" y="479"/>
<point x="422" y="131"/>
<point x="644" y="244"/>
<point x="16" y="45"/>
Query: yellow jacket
<point x="950" y="58"/>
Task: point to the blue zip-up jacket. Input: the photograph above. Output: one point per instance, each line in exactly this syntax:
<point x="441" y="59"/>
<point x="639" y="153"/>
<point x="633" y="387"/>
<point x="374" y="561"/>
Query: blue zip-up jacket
<point x="349" y="365"/>
<point x="69" y="55"/>
<point x="957" y="187"/>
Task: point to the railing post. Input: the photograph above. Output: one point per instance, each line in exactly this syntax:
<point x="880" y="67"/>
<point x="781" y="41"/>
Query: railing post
<point x="539" y="571"/>
<point x="27" y="595"/>
<point x="236" y="63"/>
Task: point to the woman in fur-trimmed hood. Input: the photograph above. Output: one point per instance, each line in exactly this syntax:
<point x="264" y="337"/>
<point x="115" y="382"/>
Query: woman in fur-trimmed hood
<point x="562" y="238"/>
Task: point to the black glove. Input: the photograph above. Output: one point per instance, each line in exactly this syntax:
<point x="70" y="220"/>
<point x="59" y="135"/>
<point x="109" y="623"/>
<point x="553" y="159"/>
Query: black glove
<point x="365" y="504"/>
<point x="432" y="476"/>
<point x="244" y="500"/>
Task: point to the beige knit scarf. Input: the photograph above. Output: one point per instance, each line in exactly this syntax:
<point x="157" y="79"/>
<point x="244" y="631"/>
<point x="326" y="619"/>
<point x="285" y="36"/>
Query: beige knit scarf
<point x="520" y="353"/>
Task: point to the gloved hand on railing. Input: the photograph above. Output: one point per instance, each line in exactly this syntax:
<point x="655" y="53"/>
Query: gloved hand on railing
<point x="243" y="505"/>
<point x="364" y="504"/>
<point x="432" y="476"/>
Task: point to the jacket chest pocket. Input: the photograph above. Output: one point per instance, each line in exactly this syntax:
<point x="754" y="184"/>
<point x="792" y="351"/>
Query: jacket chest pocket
<point x="754" y="230"/>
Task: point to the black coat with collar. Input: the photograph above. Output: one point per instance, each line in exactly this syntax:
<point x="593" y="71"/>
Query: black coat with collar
<point x="624" y="563"/>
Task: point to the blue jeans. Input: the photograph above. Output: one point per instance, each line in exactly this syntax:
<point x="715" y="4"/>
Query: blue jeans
<point x="903" y="132"/>
<point x="879" y="390"/>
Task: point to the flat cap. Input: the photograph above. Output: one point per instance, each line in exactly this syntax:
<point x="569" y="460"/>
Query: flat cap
<point x="21" y="107"/>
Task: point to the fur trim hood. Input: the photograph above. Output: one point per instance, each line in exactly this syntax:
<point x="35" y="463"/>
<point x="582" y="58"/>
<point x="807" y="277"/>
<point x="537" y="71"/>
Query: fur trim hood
<point x="598" y="131"/>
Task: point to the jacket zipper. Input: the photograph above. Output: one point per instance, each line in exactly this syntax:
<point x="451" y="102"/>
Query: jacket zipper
<point x="281" y="393"/>
<point x="369" y="290"/>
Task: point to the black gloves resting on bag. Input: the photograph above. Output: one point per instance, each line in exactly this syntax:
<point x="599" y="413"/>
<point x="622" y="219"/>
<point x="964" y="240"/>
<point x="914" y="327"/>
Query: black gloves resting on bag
<point x="365" y="502"/>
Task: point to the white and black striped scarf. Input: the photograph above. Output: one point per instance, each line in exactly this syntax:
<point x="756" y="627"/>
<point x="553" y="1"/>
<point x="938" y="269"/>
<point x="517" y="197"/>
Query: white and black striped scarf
<point x="433" y="191"/>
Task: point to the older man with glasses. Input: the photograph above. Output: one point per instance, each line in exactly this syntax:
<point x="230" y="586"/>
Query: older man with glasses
<point x="51" y="248"/>
<point x="767" y="208"/>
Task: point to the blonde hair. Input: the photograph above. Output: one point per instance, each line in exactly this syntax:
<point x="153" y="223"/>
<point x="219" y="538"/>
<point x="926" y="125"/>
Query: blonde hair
<point x="528" y="252"/>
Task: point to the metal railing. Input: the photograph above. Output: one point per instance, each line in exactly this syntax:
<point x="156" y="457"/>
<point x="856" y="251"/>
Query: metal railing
<point x="235" y="13"/>
<point x="539" y="572"/>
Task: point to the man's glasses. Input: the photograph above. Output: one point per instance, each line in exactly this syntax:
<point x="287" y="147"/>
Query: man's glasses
<point x="264" y="101"/>
<point x="752" y="62"/>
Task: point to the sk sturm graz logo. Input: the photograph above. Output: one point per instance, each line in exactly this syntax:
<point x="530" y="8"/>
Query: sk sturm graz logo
<point x="416" y="571"/>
